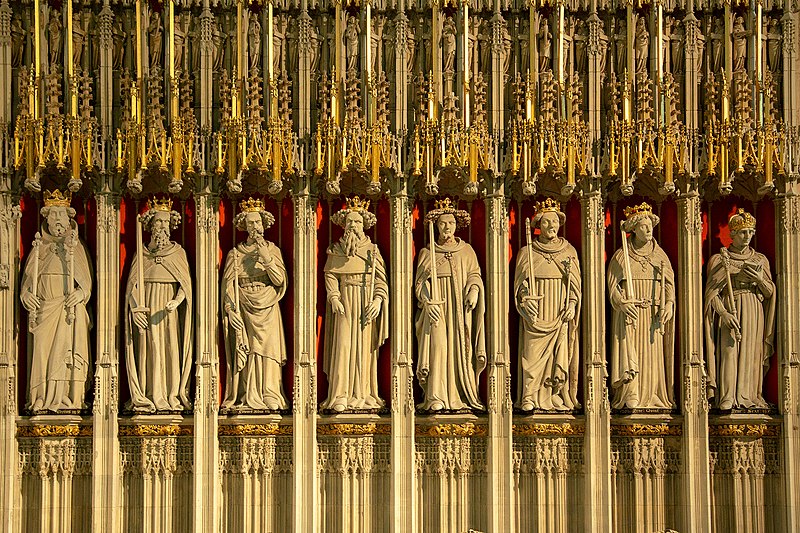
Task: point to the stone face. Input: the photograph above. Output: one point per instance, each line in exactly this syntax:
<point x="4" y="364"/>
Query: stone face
<point x="285" y="379"/>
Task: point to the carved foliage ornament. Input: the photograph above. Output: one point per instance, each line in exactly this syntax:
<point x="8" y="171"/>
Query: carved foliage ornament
<point x="467" y="429"/>
<point x="156" y="430"/>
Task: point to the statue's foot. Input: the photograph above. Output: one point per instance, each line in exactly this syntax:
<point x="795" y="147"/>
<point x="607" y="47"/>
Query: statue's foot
<point x="437" y="406"/>
<point x="339" y="407"/>
<point x="275" y="407"/>
<point x="527" y="405"/>
<point x="726" y="405"/>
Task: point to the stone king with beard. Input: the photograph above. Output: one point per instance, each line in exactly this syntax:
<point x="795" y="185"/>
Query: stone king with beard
<point x="60" y="357"/>
<point x="356" y="316"/>
<point x="158" y="334"/>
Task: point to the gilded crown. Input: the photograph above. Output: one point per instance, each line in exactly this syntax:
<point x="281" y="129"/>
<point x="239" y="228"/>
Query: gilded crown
<point x="57" y="199"/>
<point x="741" y="220"/>
<point x="446" y="204"/>
<point x="635" y="210"/>
<point x="549" y="205"/>
<point x="357" y="204"/>
<point x="160" y="204"/>
<point x="251" y="205"/>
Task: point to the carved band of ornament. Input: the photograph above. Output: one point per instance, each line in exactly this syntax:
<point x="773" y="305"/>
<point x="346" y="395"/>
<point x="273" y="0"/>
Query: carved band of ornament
<point x="646" y="430"/>
<point x="467" y="429"/>
<point x="254" y="430"/>
<point x="548" y="430"/>
<point x="46" y="430"/>
<point x="744" y="430"/>
<point x="155" y="430"/>
<point x="354" y="429"/>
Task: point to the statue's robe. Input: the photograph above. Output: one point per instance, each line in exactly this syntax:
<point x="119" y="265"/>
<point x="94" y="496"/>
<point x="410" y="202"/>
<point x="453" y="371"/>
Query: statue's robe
<point x="60" y="354"/>
<point x="548" y="345"/>
<point x="254" y="356"/>
<point x="351" y="344"/>
<point x="642" y="350"/>
<point x="452" y="352"/>
<point x="159" y="368"/>
<point x="736" y="369"/>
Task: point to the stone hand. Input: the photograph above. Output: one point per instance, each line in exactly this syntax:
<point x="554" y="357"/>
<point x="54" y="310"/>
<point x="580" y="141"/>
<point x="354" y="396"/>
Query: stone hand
<point x="630" y="310"/>
<point x="373" y="309"/>
<point x="730" y="321"/>
<point x="30" y="301"/>
<point x="337" y="306"/>
<point x="74" y="298"/>
<point x="753" y="274"/>
<point x="141" y="319"/>
<point x="173" y="304"/>
<point x="667" y="313"/>
<point x="471" y="300"/>
<point x="433" y="311"/>
<point x="236" y="321"/>
<point x="569" y="312"/>
<point x="531" y="307"/>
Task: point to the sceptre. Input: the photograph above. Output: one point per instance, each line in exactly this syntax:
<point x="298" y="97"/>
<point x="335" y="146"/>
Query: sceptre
<point x="140" y="307"/>
<point x="726" y="258"/>
<point x="628" y="276"/>
<point x="33" y="314"/>
<point x="241" y="344"/>
<point x="434" y="299"/>
<point x="71" y="274"/>
<point x="531" y="272"/>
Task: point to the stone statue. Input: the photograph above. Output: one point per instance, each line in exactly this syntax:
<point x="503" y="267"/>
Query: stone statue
<point x="118" y="37"/>
<point x="156" y="36"/>
<point x="158" y="328"/>
<point x="56" y="285"/>
<point x="253" y="282"/>
<point x="506" y="52"/>
<point x="181" y="30"/>
<point x="357" y="312"/>
<point x="351" y="40"/>
<point x="54" y="42"/>
<point x="218" y="40"/>
<point x="717" y="46"/>
<point x="411" y="48"/>
<point x="449" y="45"/>
<point x="254" y="42"/>
<point x="620" y="39"/>
<point x="279" y="44"/>
<point x="641" y="286"/>
<point x="774" y="38"/>
<point x="18" y="41"/>
<point x="545" y="45"/>
<point x="315" y="44"/>
<point x="739" y="35"/>
<point x="523" y="37"/>
<point x="641" y="45"/>
<point x="78" y="40"/>
<point x="677" y="39"/>
<point x="581" y="40"/>
<point x="739" y="318"/>
<point x="548" y="343"/>
<point x="378" y="24"/>
<point x="449" y="323"/>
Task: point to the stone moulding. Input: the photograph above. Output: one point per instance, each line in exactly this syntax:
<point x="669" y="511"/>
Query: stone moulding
<point x="254" y="430"/>
<point x="467" y="429"/>
<point x="744" y="430"/>
<point x="646" y="430"/>
<point x="548" y="430"/>
<point x="48" y="430"/>
<point x="354" y="429"/>
<point x="155" y="430"/>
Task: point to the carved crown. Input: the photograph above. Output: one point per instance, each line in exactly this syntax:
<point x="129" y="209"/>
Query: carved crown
<point x="741" y="220"/>
<point x="357" y="204"/>
<point x="160" y="204"/>
<point x="57" y="199"/>
<point x="635" y="210"/>
<point x="251" y="205"/>
<point x="549" y="205"/>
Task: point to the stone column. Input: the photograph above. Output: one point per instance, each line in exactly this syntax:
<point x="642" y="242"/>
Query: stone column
<point x="500" y="501"/>
<point x="303" y="81"/>
<point x="206" y="70"/>
<point x="401" y="274"/>
<point x="788" y="346"/>
<point x="597" y="444"/>
<point x="106" y="490"/>
<point x="206" y="403"/>
<point x="9" y="276"/>
<point x="106" y="96"/>
<point x="5" y="65"/>
<point x="304" y="401"/>
<point x="696" y="479"/>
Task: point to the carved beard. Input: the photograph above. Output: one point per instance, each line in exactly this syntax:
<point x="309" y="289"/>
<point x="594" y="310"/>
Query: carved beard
<point x="254" y="235"/>
<point x="350" y="241"/>
<point x="57" y="230"/>
<point x="159" y="240"/>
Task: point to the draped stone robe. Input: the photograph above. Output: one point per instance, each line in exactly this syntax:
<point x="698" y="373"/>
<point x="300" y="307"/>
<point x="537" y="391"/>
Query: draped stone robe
<point x="254" y="356"/>
<point x="351" y="344"/>
<point x="548" y="345"/>
<point x="60" y="355"/>
<point x="159" y="358"/>
<point x="452" y="352"/>
<point x="642" y="350"/>
<point x="736" y="368"/>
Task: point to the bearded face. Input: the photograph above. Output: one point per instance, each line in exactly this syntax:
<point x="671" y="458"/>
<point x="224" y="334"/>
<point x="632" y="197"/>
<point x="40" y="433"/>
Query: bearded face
<point x="254" y="226"/>
<point x="353" y="233"/>
<point x="58" y="221"/>
<point x="159" y="231"/>
<point x="548" y="227"/>
<point x="446" y="224"/>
